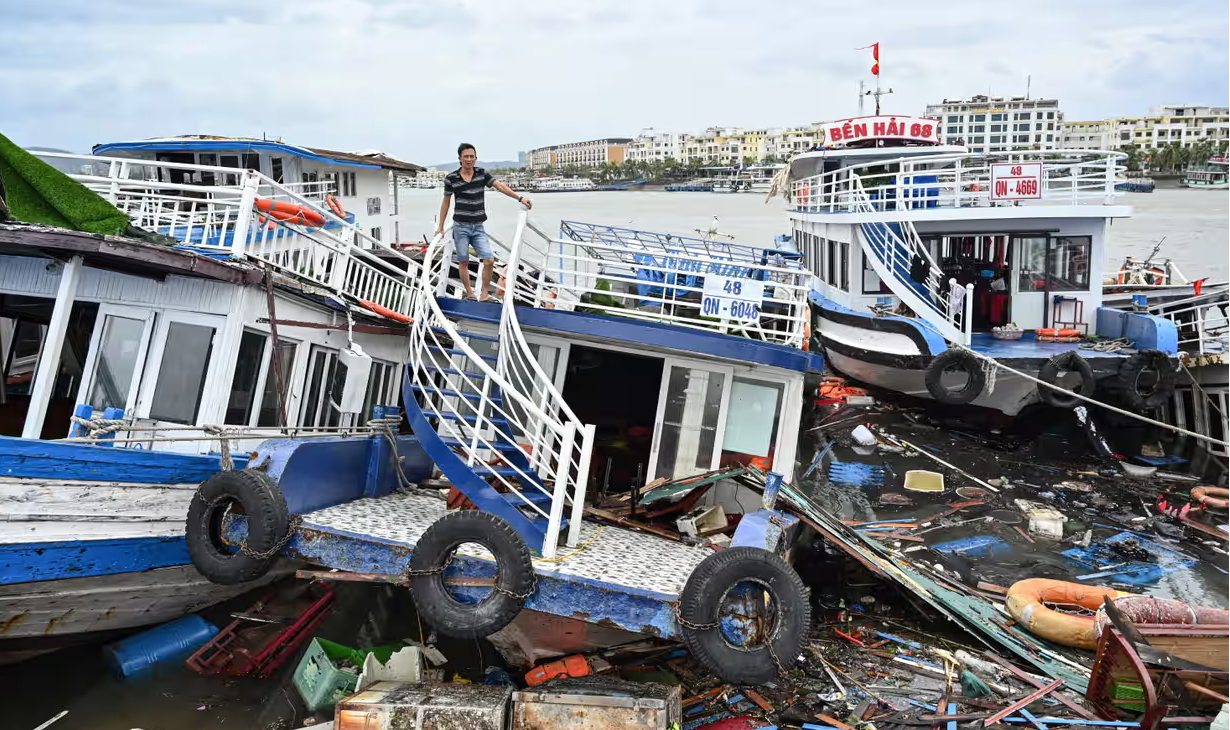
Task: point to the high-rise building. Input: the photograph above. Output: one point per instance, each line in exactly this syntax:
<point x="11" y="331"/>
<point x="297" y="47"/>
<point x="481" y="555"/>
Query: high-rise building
<point x="592" y="153"/>
<point x="999" y="123"/>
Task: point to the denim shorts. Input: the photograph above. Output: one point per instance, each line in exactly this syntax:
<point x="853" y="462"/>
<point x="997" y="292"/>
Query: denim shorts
<point x="466" y="235"/>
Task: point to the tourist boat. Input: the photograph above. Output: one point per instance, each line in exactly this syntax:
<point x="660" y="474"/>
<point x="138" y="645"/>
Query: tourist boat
<point x="560" y="184"/>
<point x="1211" y="175"/>
<point x="752" y="179"/>
<point x="133" y="370"/>
<point x="914" y="245"/>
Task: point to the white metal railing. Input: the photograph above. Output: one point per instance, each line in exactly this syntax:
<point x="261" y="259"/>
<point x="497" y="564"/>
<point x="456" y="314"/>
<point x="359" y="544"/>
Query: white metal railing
<point x="1069" y="177"/>
<point x="655" y="277"/>
<point x="1203" y="321"/>
<point x="891" y="254"/>
<point x="313" y="189"/>
<point x="478" y="400"/>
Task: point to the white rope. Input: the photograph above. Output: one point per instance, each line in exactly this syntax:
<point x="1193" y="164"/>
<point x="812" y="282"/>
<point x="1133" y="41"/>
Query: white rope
<point x="1052" y="386"/>
<point x="96" y="426"/>
<point x="224" y="446"/>
<point x="385" y="427"/>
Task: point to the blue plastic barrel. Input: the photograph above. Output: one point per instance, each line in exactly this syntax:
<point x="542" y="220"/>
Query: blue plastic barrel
<point x="178" y="638"/>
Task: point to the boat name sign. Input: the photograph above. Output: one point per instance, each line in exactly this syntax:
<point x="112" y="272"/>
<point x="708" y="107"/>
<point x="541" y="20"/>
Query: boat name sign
<point x="1016" y="181"/>
<point x="845" y="131"/>
<point x="732" y="298"/>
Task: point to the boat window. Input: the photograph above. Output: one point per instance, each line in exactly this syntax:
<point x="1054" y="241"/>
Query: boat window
<point x="268" y="408"/>
<point x="872" y="283"/>
<point x="751" y="423"/>
<point x="1031" y="274"/>
<point x="251" y="161"/>
<point x="689" y="422"/>
<point x="275" y="169"/>
<point x="317" y="409"/>
<point x="838" y="265"/>
<point x="181" y="375"/>
<point x="118" y="349"/>
<point x="243" y="385"/>
<point x="229" y="161"/>
<point x="380" y="387"/>
<point x="1070" y="263"/>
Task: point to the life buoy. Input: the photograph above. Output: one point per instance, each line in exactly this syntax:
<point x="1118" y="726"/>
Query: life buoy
<point x="955" y="359"/>
<point x="1027" y="601"/>
<point x="738" y="656"/>
<point x="385" y="311"/>
<point x="335" y="205"/>
<point x="1141" y="399"/>
<point x="1211" y="497"/>
<point x="289" y="212"/>
<point x="250" y="493"/>
<point x="1058" y="332"/>
<point x="804" y="195"/>
<point x="432" y="553"/>
<point x="1070" y="361"/>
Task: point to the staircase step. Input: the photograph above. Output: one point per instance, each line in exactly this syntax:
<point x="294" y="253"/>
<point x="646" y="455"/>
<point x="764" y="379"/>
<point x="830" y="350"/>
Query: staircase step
<point x="468" y="419"/>
<point x="498" y="446"/>
<point x="455" y="394"/>
<point x="471" y="335"/>
<point x="450" y="371"/>
<point x="533" y="495"/>
<point x="462" y="353"/>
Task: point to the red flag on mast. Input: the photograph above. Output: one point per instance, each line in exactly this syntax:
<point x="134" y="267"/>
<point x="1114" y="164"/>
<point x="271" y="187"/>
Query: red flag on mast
<point x="875" y="53"/>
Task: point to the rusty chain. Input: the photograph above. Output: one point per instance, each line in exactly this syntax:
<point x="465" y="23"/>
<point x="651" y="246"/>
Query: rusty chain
<point x="518" y="597"/>
<point x="292" y="526"/>
<point x="679" y="619"/>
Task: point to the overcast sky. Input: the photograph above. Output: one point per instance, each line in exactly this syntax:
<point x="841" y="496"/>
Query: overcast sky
<point x="415" y="77"/>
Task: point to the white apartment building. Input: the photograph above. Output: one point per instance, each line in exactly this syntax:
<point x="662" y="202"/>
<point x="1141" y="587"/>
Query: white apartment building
<point x="654" y="145"/>
<point x="591" y="153"/>
<point x="724" y="145"/>
<point x="999" y="123"/>
<point x="1164" y="125"/>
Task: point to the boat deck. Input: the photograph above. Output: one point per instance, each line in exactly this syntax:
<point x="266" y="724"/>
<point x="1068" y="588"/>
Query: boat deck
<point x="1028" y="347"/>
<point x="621" y="575"/>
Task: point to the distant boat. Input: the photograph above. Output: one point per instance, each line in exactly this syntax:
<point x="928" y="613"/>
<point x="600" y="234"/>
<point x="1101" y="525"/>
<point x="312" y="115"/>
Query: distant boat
<point x="1207" y="176"/>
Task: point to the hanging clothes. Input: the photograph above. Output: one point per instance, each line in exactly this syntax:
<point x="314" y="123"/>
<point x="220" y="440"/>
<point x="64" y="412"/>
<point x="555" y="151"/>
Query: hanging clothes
<point x="920" y="269"/>
<point x="956" y="297"/>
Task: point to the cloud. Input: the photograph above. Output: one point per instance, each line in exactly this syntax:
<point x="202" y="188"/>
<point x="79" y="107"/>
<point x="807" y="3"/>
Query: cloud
<point x="413" y="77"/>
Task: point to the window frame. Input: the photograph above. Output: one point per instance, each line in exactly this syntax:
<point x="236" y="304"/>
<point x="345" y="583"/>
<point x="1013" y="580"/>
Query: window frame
<point x="153" y="366"/>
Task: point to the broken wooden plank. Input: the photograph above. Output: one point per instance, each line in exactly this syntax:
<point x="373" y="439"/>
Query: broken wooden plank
<point x="611" y="517"/>
<point x="1028" y="679"/>
<point x="761" y="702"/>
<point x="832" y="721"/>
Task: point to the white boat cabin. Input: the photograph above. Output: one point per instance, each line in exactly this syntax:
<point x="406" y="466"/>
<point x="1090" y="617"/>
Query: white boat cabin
<point x="1023" y="233"/>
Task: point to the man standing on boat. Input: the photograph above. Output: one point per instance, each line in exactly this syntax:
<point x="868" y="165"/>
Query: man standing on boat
<point x="468" y="184"/>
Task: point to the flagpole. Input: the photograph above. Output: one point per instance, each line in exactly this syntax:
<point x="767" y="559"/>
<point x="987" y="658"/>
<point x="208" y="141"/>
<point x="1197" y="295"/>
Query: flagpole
<point x="877" y="79"/>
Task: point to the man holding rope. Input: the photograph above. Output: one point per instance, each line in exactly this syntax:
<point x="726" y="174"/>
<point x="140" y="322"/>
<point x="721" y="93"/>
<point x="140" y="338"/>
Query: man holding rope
<point x="468" y="184"/>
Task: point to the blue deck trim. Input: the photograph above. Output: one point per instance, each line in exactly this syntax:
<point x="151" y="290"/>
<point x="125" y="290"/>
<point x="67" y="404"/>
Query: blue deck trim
<point x="226" y="144"/>
<point x="1028" y="347"/>
<point x="934" y="341"/>
<point x="41" y="561"/>
<point x="1149" y="332"/>
<point x="37" y="459"/>
<point x="640" y="332"/>
<point x="322" y="472"/>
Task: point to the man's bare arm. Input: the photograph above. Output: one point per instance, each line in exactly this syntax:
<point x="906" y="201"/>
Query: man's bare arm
<point x="443" y="214"/>
<point x="513" y="194"/>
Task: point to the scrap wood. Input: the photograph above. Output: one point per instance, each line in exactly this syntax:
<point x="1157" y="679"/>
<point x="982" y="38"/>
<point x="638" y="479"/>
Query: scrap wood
<point x="849" y="638"/>
<point x="612" y="517"/>
<point x="1024" y="702"/>
<point x="761" y="702"/>
<point x="1024" y="534"/>
<point x="704" y="696"/>
<point x="832" y="721"/>
<point x="991" y="588"/>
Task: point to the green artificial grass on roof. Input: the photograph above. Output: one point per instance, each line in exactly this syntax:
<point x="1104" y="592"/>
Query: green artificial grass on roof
<point x="38" y="193"/>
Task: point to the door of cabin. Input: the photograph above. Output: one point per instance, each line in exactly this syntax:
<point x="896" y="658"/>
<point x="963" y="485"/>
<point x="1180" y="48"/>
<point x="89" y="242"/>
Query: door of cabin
<point x="180" y="383"/>
<point x="116" y="359"/>
<point x="691" y="419"/>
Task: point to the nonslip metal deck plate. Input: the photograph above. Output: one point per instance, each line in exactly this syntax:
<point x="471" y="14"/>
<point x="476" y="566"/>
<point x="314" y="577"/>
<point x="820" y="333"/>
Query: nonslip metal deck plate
<point x="621" y="576"/>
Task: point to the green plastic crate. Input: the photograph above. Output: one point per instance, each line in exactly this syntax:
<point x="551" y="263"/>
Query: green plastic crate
<point x="320" y="682"/>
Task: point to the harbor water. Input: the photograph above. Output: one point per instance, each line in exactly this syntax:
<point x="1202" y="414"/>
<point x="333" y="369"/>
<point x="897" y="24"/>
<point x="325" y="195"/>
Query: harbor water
<point x="1193" y="222"/>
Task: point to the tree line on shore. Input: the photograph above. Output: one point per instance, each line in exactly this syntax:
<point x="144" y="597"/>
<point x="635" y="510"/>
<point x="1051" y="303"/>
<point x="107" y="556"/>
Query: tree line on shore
<point x="1172" y="158"/>
<point x="653" y="170"/>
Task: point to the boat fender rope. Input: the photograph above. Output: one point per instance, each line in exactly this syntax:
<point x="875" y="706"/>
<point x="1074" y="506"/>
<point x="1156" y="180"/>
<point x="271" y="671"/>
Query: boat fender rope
<point x="97" y="427"/>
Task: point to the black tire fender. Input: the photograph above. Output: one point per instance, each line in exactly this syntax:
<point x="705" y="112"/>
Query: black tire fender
<point x="1129" y="379"/>
<point x="933" y="377"/>
<point x="700" y="605"/>
<point x="1049" y="373"/>
<point x="435" y="548"/>
<point x="242" y="492"/>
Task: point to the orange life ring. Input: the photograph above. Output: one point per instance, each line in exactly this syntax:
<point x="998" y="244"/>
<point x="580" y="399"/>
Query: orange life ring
<point x="385" y="311"/>
<point x="336" y="206"/>
<point x="1058" y="332"/>
<point x="1214" y="497"/>
<point x="289" y="212"/>
<point x="804" y="195"/>
<point x="1027" y="601"/>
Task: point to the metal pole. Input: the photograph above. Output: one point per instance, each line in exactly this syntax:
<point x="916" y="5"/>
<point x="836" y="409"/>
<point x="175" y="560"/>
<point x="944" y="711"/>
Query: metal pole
<point x="861" y="94"/>
<point x="53" y="344"/>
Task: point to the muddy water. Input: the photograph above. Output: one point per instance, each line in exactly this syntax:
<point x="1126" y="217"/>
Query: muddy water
<point x="1036" y="455"/>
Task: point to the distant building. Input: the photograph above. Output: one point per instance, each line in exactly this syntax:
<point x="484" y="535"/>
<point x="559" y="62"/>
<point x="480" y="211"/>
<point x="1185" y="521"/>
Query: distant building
<point x="1164" y="125"/>
<point x="522" y="157"/>
<point x="593" y="153"/>
<point x="723" y="145"/>
<point x="653" y="145"/>
<point x="1000" y="123"/>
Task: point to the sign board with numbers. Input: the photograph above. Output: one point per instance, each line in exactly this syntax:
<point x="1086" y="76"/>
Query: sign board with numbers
<point x="1016" y="181"/>
<point x="727" y="297"/>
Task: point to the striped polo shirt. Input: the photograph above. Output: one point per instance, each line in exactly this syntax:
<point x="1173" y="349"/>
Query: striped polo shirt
<point x="468" y="206"/>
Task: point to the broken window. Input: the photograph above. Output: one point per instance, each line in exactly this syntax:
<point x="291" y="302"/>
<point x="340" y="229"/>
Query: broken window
<point x="181" y="375"/>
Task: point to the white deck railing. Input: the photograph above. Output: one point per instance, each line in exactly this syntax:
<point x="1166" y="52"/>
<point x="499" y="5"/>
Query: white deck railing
<point x="338" y="255"/>
<point x="657" y="278"/>
<point x="1203" y="321"/>
<point x="1069" y="177"/>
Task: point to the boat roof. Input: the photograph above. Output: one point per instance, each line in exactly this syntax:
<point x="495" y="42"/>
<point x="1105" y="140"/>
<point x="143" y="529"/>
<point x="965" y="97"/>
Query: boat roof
<point x="373" y="159"/>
